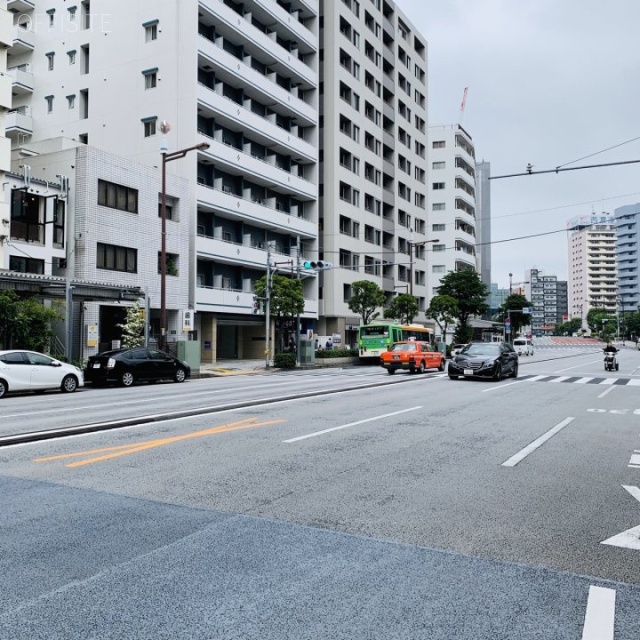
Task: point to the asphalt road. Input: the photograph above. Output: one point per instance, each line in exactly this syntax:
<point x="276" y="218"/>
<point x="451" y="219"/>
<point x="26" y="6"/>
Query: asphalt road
<point x="332" y="504"/>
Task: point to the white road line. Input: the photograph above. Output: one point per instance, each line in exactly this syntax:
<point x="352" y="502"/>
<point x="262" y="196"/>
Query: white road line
<point x="633" y="383"/>
<point x="609" y="390"/>
<point x="502" y="386"/>
<point x="560" y="379"/>
<point x="521" y="455"/>
<point x="600" y="615"/>
<point x="634" y="491"/>
<point x="582" y="380"/>
<point x="536" y="378"/>
<point x="635" y="459"/>
<point x="350" y="424"/>
<point x="584" y="364"/>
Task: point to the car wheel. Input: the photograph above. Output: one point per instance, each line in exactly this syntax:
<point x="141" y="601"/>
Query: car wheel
<point x="3" y="388"/>
<point x="421" y="367"/>
<point x="180" y="375"/>
<point x="497" y="374"/>
<point x="514" y="373"/>
<point x="391" y="371"/>
<point x="617" y="366"/>
<point x="69" y="384"/>
<point x="452" y="377"/>
<point x="127" y="379"/>
<point x="441" y="365"/>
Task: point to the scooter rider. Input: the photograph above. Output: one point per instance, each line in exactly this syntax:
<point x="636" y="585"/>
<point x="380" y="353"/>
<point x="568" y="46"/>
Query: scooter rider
<point x="610" y="348"/>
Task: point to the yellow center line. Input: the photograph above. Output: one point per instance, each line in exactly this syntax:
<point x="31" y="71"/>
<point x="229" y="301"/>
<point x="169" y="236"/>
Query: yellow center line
<point x="123" y="450"/>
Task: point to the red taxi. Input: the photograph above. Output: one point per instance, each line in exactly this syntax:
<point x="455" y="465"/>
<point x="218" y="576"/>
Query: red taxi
<point x="412" y="356"/>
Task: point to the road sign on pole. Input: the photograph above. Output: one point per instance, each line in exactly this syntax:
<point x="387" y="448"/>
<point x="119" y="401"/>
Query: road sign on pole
<point x="507" y="327"/>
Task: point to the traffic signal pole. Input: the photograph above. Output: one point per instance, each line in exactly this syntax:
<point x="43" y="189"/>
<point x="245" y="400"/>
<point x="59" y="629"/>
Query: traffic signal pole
<point x="298" y="314"/>
<point x="267" y="314"/>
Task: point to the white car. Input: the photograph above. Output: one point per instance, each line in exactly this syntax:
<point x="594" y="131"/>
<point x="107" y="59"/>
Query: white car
<point x="523" y="346"/>
<point x="31" y="371"/>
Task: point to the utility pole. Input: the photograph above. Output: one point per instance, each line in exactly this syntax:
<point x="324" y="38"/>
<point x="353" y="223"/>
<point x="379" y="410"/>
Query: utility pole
<point x="267" y="314"/>
<point x="298" y="314"/>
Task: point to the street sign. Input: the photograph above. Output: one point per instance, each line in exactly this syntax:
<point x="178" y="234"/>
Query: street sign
<point x="526" y="310"/>
<point x="507" y="327"/>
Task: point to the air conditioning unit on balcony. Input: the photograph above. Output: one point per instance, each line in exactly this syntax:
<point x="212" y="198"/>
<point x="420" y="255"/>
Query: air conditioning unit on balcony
<point x="226" y="283"/>
<point x="226" y="189"/>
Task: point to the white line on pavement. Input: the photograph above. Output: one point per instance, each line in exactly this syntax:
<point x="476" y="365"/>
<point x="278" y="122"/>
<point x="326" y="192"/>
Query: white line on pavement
<point x="521" y="455"/>
<point x="600" y="615"/>
<point x="560" y="379"/>
<point x="502" y="386"/>
<point x="584" y="364"/>
<point x="350" y="424"/>
<point x="609" y="390"/>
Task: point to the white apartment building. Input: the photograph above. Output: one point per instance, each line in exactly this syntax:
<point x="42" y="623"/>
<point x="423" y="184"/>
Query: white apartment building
<point x="6" y="40"/>
<point x="627" y="221"/>
<point x="241" y="77"/>
<point x="592" y="265"/>
<point x="452" y="200"/>
<point x="483" y="221"/>
<point x="373" y="172"/>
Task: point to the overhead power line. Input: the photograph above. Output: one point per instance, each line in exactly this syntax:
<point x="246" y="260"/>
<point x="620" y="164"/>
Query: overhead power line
<point x="531" y="172"/>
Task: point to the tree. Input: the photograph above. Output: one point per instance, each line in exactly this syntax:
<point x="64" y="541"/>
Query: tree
<point x="366" y="297"/>
<point x="286" y="302"/>
<point x="403" y="307"/>
<point x="601" y="323"/>
<point x="567" y="328"/>
<point x="515" y="302"/>
<point x="133" y="327"/>
<point x="25" y="323"/>
<point x="444" y="310"/>
<point x="469" y="292"/>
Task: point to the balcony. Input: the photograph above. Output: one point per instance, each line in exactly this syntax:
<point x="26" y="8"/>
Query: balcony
<point x="228" y="112"/>
<point x="20" y="6"/>
<point x="22" y="80"/>
<point x="5" y="91"/>
<point x="260" y="215"/>
<point x="23" y="40"/>
<point x="18" y="122"/>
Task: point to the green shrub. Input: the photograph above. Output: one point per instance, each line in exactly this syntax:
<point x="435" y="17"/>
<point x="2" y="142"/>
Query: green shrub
<point x="336" y="353"/>
<point x="284" y="361"/>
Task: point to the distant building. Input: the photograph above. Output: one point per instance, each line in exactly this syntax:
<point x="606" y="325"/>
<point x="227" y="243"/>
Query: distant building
<point x="548" y="297"/>
<point x="483" y="219"/>
<point x="592" y="265"/>
<point x="627" y="223"/>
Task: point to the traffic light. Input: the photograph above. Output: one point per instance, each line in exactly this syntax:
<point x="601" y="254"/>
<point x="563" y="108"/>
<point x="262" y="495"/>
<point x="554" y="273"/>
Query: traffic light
<point x="318" y="265"/>
<point x="256" y="306"/>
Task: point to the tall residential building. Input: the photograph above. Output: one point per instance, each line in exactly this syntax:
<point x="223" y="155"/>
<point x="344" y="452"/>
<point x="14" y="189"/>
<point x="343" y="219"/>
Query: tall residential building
<point x="548" y="297"/>
<point x="6" y="83"/>
<point x="627" y="222"/>
<point x="452" y="197"/>
<point x="373" y="172"/>
<point x="483" y="220"/>
<point x="241" y="76"/>
<point x="592" y="265"/>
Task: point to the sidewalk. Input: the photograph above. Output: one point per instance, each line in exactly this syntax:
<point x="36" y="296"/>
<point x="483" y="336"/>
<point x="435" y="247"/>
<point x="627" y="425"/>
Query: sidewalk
<point x="232" y="368"/>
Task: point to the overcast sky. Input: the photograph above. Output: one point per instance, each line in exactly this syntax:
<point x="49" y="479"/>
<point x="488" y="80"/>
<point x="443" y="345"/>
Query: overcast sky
<point x="549" y="82"/>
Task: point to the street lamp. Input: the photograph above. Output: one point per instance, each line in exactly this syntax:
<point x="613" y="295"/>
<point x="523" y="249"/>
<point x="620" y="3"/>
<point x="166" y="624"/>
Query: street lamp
<point x="165" y="127"/>
<point x="411" y="245"/>
<point x="510" y="276"/>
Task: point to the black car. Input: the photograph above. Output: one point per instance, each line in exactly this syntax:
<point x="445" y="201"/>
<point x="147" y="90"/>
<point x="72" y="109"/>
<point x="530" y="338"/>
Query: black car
<point x="126" y="366"/>
<point x="494" y="360"/>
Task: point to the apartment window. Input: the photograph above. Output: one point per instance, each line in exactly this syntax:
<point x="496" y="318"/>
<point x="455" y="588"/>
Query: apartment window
<point x="27" y="219"/>
<point x="171" y="263"/>
<point x="169" y="209"/>
<point x="26" y="265"/>
<point x="58" y="224"/>
<point x="149" y="125"/>
<point x="438" y="144"/>
<point x="117" y="196"/>
<point x="115" y="258"/>
<point x="150" y="78"/>
<point x="71" y="101"/>
<point x="49" y="100"/>
<point x="72" y="13"/>
<point x="72" y="56"/>
<point x="50" y="58"/>
<point x="438" y="185"/>
<point x="438" y="206"/>
<point x="438" y="165"/>
<point x="150" y="30"/>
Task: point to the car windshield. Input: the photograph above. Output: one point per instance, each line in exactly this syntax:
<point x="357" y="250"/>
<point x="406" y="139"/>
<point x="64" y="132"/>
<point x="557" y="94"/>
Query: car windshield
<point x="481" y="350"/>
<point x="404" y="347"/>
<point x="519" y="342"/>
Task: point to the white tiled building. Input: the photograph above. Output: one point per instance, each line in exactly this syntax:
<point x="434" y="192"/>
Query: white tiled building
<point x="592" y="278"/>
<point x="6" y="82"/>
<point x="374" y="187"/>
<point x="239" y="76"/>
<point x="452" y="182"/>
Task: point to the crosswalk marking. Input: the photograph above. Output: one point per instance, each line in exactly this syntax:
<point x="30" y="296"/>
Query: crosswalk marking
<point x="630" y="382"/>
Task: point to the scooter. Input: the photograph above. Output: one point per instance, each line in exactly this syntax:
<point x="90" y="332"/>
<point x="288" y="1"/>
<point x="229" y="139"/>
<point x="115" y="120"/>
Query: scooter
<point x="610" y="361"/>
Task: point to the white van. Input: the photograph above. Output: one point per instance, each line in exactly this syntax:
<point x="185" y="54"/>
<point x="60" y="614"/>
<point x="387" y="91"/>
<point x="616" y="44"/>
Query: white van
<point x="523" y="346"/>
